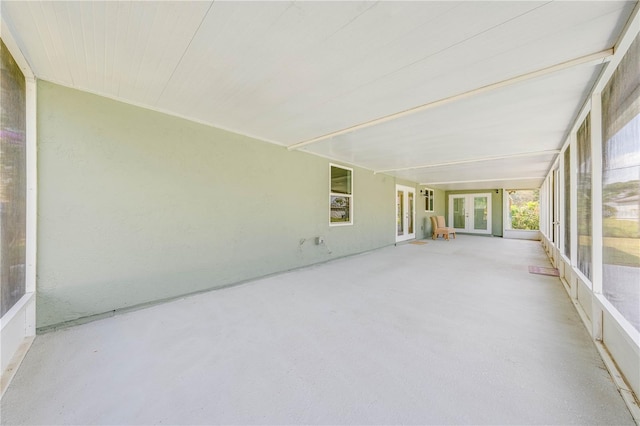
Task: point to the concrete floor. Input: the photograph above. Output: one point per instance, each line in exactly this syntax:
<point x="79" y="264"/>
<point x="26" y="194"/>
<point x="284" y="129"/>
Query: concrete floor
<point x="448" y="332"/>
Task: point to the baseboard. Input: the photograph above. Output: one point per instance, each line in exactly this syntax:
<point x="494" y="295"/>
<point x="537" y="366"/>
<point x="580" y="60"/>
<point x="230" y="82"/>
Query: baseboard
<point x="14" y="364"/>
<point x="624" y="389"/>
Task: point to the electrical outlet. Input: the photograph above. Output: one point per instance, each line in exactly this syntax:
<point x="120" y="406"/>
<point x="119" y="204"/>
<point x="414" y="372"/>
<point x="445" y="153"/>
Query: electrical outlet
<point x="319" y="241"/>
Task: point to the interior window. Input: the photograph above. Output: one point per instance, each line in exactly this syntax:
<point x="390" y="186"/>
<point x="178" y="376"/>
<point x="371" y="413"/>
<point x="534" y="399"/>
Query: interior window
<point x="341" y="195"/>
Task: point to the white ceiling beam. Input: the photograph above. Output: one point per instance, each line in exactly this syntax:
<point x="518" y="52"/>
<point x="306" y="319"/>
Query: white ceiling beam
<point x="474" y="160"/>
<point x="483" y="180"/>
<point x="628" y="35"/>
<point x="592" y="59"/>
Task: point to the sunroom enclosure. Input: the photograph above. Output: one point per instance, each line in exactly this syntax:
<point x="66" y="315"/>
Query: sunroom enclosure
<point x="590" y="208"/>
<point x="138" y="203"/>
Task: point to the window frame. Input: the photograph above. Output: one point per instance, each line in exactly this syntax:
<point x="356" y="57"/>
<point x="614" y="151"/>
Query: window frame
<point x="338" y="194"/>
<point x="19" y="322"/>
<point x="429" y="198"/>
<point x="584" y="173"/>
<point x="508" y="218"/>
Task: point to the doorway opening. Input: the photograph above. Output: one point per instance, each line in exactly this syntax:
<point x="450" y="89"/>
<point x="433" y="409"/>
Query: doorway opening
<point x="470" y="213"/>
<point x="405" y="213"/>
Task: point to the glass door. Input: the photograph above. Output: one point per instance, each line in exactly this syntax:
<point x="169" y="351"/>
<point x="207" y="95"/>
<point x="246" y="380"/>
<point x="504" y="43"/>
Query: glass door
<point x="470" y="213"/>
<point x="458" y="211"/>
<point x="481" y="213"/>
<point x="405" y="213"/>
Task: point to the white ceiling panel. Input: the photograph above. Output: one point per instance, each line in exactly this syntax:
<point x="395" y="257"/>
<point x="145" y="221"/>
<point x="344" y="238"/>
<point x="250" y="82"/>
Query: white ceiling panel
<point x="524" y="117"/>
<point x="533" y="166"/>
<point x="385" y="81"/>
<point x="240" y="52"/>
<point x="374" y="48"/>
<point x="126" y="50"/>
<point x="491" y="185"/>
<point x="289" y="72"/>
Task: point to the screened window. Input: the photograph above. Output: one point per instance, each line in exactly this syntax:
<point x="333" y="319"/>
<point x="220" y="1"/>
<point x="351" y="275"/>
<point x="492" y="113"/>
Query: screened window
<point x="621" y="187"/>
<point x="341" y="195"/>
<point x="429" y="201"/>
<point x="584" y="197"/>
<point x="524" y="209"/>
<point x="13" y="181"/>
<point x="567" y="203"/>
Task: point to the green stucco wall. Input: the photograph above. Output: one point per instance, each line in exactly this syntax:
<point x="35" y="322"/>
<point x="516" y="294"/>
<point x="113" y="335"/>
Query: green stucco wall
<point x="496" y="207"/>
<point x="136" y="206"/>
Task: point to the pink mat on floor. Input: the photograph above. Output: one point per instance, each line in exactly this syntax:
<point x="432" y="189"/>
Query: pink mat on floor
<point x="540" y="270"/>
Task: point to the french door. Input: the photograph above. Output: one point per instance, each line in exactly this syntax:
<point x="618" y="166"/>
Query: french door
<point x="470" y="213"/>
<point x="405" y="213"/>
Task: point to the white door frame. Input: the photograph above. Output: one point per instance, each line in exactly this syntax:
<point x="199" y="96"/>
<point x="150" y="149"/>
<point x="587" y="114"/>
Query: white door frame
<point x="408" y="214"/>
<point x="469" y="220"/>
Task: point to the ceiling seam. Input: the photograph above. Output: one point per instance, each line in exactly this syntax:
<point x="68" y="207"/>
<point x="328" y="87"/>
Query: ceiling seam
<point x="46" y="51"/>
<point x="104" y="56"/>
<point x="68" y="66"/>
<point x="367" y="55"/>
<point x="430" y="55"/>
<point x="469" y="38"/>
<point x="144" y="90"/>
<point x="186" y="49"/>
<point x="126" y="33"/>
<point x="351" y="21"/>
<point x="93" y="40"/>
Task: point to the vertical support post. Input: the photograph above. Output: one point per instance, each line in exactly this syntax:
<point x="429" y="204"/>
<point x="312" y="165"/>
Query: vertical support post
<point x="573" y="219"/>
<point x="542" y="193"/>
<point x="596" y="212"/>
<point x="556" y="213"/>
<point x="545" y="213"/>
<point x="32" y="200"/>
<point x="561" y="206"/>
<point x="550" y="208"/>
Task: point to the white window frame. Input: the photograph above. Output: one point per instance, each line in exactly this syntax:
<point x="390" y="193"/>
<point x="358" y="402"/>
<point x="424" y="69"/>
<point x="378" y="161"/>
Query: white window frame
<point x="337" y="194"/>
<point x="429" y="195"/>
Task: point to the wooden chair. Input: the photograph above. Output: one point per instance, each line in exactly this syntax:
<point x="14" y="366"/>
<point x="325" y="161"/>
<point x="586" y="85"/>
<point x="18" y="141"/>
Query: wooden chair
<point x="443" y="224"/>
<point x="439" y="227"/>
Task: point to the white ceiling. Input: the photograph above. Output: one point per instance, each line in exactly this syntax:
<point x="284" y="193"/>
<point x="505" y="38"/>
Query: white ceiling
<point x="290" y="72"/>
